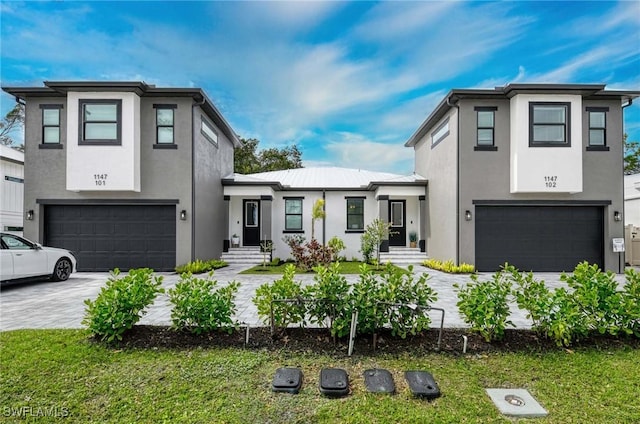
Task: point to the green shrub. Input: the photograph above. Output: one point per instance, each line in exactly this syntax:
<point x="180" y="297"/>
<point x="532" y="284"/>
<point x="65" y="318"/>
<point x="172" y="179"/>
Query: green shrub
<point x="484" y="305"/>
<point x="336" y="245"/>
<point x="330" y="299"/>
<point x="199" y="306"/>
<point x="449" y="266"/>
<point x="121" y="303"/>
<point x="630" y="304"/>
<point x="284" y="314"/>
<point x="364" y="297"/>
<point x="402" y="288"/>
<point x="199" y="266"/>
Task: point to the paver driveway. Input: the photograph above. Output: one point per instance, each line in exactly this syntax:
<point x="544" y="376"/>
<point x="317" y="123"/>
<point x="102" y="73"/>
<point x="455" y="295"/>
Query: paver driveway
<point x="61" y="304"/>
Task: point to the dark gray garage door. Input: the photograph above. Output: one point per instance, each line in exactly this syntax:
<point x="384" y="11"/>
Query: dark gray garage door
<point x="538" y="238"/>
<point x="105" y="237"/>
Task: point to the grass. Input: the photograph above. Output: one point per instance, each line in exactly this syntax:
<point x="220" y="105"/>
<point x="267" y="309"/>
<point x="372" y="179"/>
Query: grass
<point x="348" y="267"/>
<point x="62" y="371"/>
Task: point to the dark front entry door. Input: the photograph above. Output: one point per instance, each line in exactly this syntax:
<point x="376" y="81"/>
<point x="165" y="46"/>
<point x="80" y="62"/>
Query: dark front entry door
<point x="397" y="217"/>
<point x="251" y="226"/>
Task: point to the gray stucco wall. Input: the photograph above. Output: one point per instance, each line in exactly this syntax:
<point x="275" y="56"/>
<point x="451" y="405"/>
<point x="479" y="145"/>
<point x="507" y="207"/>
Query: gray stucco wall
<point x="484" y="175"/>
<point x="164" y="173"/>
<point x="439" y="165"/>
<point x="211" y="164"/>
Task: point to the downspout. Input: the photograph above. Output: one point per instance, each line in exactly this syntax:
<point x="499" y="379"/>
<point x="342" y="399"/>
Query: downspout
<point x="324" y="220"/>
<point x="193" y="177"/>
<point x="457" y="178"/>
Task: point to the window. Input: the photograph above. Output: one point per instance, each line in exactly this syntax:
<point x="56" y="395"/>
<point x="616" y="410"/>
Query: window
<point x="440" y="133"/>
<point x="597" y="128"/>
<point x="100" y="122"/>
<point x="485" y="132"/>
<point x="355" y="213"/>
<point x="293" y="214"/>
<point x="549" y="124"/>
<point x="50" y="124"/>
<point x="15" y="243"/>
<point x="165" y="124"/>
<point x="208" y="131"/>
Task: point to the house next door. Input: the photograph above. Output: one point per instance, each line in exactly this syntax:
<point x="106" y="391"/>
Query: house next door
<point x="251" y="226"/>
<point x="398" y="236"/>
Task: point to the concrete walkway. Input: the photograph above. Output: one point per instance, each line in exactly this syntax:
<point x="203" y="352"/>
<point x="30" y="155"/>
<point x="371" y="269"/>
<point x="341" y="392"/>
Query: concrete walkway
<point x="61" y="304"/>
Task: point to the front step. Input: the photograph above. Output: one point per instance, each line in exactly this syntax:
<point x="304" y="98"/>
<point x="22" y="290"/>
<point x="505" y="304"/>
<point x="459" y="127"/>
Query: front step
<point x="243" y="255"/>
<point x="403" y="255"/>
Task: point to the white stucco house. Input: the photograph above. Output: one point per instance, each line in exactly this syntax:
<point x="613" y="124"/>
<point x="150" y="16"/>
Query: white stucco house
<point x="11" y="190"/>
<point x="632" y="200"/>
<point x="272" y="205"/>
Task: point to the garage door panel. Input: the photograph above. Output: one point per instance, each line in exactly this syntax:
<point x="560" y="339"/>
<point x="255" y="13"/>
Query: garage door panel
<point x="538" y="238"/>
<point x="105" y="237"/>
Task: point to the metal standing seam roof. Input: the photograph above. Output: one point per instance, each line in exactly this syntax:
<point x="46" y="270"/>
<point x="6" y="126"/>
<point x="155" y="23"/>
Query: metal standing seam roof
<point x="325" y="177"/>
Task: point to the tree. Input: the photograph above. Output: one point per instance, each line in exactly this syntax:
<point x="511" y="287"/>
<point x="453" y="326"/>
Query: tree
<point x="631" y="156"/>
<point x="248" y="160"/>
<point x="11" y="122"/>
<point x="317" y="212"/>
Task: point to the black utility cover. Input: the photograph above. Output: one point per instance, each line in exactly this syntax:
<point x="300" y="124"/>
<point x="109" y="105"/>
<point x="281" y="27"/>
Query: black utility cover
<point x="334" y="382"/>
<point x="422" y="384"/>
<point x="288" y="380"/>
<point x="379" y="381"/>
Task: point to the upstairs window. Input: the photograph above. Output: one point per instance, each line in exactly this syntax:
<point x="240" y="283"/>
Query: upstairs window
<point x="165" y="116"/>
<point x="485" y="131"/>
<point x="355" y="213"/>
<point x="549" y="124"/>
<point x="209" y="133"/>
<point x="597" y="128"/>
<point x="50" y="124"/>
<point x="440" y="133"/>
<point x="293" y="214"/>
<point x="100" y="122"/>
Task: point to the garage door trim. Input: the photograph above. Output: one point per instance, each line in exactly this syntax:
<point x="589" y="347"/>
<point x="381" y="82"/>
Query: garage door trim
<point x="166" y="202"/>
<point x="542" y="202"/>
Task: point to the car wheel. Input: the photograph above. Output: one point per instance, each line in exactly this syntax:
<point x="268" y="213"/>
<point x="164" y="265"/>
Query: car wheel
<point x="62" y="270"/>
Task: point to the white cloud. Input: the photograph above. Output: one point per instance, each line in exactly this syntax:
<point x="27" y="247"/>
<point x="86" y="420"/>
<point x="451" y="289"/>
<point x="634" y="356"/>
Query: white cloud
<point x="353" y="150"/>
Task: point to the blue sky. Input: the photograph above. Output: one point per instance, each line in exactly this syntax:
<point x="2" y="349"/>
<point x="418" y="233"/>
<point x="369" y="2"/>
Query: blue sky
<point x="348" y="82"/>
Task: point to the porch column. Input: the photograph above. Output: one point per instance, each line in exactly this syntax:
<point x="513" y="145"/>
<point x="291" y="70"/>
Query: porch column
<point x="225" y="220"/>
<point x="383" y="215"/>
<point x="265" y="215"/>
<point x="422" y="235"/>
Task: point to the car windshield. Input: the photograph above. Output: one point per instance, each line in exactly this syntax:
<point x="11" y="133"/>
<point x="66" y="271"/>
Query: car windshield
<point x="15" y="243"/>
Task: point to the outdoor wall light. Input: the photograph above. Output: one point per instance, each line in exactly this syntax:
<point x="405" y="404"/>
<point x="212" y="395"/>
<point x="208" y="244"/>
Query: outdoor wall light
<point x="467" y="215"/>
<point x="617" y="216"/>
<point x="183" y="215"/>
<point x="30" y="214"/>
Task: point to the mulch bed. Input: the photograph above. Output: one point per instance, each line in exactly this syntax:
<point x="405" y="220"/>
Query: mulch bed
<point x="316" y="340"/>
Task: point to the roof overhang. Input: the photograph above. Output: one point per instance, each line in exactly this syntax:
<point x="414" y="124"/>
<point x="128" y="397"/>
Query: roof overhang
<point x="587" y="91"/>
<point x="142" y="89"/>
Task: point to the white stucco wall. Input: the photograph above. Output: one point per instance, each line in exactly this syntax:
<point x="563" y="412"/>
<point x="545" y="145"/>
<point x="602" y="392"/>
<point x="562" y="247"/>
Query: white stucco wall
<point x="104" y="168"/>
<point x="545" y="169"/>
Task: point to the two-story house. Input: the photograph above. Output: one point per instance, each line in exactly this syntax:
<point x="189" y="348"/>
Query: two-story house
<point x="529" y="174"/>
<point x="125" y="174"/>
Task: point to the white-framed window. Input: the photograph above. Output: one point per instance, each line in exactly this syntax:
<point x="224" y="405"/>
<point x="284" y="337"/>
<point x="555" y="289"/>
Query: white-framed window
<point x="100" y="122"/>
<point x="293" y="214"/>
<point x="165" y="121"/>
<point x="208" y="131"/>
<point x="355" y="213"/>
<point x="440" y="133"/>
<point x="549" y="124"/>
<point x="50" y="124"/>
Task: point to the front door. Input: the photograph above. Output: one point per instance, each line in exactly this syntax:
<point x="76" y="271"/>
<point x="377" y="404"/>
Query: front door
<point x="398" y="236"/>
<point x="251" y="226"/>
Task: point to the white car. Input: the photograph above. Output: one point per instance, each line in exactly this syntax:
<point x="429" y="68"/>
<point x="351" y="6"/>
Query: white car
<point x="24" y="259"/>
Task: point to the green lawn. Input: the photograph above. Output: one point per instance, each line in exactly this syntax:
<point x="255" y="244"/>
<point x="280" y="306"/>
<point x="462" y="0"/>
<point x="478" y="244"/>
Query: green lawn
<point x="349" y="267"/>
<point x="61" y="371"/>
